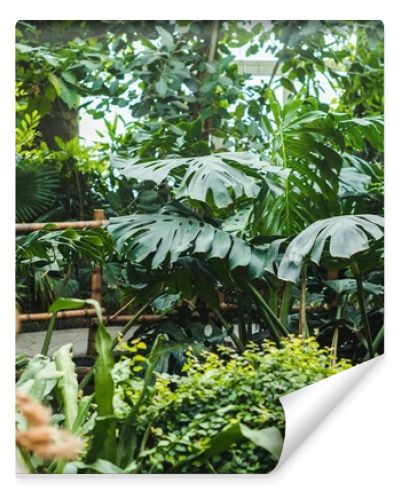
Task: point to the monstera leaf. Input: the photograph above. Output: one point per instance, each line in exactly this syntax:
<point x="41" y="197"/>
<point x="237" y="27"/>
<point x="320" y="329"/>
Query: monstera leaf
<point x="348" y="235"/>
<point x="167" y="237"/>
<point x="219" y="179"/>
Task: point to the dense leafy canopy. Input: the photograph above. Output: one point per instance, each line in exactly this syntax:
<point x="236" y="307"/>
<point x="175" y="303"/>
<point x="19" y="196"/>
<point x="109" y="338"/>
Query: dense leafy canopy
<point x="242" y="209"/>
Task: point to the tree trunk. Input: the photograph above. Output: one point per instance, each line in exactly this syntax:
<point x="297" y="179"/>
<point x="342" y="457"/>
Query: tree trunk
<point x="60" y="121"/>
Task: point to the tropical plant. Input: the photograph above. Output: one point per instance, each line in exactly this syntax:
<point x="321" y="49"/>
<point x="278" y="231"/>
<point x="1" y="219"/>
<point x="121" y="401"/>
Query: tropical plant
<point x="46" y="260"/>
<point x="154" y="414"/>
<point x="245" y="223"/>
<point x="348" y="238"/>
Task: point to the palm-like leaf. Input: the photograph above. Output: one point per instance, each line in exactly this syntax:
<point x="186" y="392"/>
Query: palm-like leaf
<point x="218" y="179"/>
<point x="348" y="235"/>
<point x="35" y="192"/>
<point x="311" y="143"/>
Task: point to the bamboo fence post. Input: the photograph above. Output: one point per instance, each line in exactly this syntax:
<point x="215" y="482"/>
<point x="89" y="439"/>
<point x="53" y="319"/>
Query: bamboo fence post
<point x="96" y="284"/>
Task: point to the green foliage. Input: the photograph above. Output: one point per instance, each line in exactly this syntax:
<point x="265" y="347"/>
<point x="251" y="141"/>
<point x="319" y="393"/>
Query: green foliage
<point x="68" y="384"/>
<point x="104" y="437"/>
<point x="36" y="190"/>
<point x="348" y="235"/>
<point x="46" y="259"/>
<point x="221" y="415"/>
<point x="222" y="197"/>
<point x="167" y="237"/>
<point x="219" y="179"/>
<point x="187" y="416"/>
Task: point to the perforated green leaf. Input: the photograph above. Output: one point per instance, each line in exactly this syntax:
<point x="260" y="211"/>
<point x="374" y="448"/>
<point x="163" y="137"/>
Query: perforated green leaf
<point x="218" y="179"/>
<point x="347" y="234"/>
<point x="167" y="237"/>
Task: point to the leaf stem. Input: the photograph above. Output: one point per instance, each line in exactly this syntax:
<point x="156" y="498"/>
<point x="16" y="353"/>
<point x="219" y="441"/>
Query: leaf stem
<point x="335" y="338"/>
<point x="378" y="339"/>
<point x="268" y="314"/>
<point x="241" y="316"/>
<point x="285" y="303"/>
<point x="49" y="334"/>
<point x="229" y="328"/>
<point x="361" y="301"/>
<point x="303" y="327"/>
<point x="128" y="437"/>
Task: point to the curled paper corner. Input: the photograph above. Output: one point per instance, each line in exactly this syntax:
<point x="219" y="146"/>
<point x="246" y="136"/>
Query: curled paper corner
<point x="307" y="408"/>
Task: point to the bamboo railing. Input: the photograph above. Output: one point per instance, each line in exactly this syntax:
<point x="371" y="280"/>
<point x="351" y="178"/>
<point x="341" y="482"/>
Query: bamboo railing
<point x="99" y="220"/>
<point x="59" y="226"/>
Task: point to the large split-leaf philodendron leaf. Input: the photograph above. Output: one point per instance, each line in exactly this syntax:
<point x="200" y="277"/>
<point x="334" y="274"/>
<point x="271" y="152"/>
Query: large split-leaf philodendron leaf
<point x="217" y="179"/>
<point x="167" y="237"/>
<point x="348" y="235"/>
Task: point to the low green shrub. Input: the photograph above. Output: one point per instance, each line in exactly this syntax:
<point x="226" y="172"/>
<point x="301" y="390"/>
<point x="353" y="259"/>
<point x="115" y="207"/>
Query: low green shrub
<point x="221" y="415"/>
<point x="184" y="413"/>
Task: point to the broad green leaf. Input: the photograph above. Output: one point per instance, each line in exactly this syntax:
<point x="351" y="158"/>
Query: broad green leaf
<point x="166" y="37"/>
<point x="269" y="438"/>
<point x="68" y="384"/>
<point x="39" y="377"/>
<point x="166" y="238"/>
<point x="104" y="433"/>
<point x="223" y="440"/>
<point x="347" y="235"/>
<point x="219" y="179"/>
<point x="83" y="411"/>
<point x="165" y="302"/>
<point x="162" y="87"/>
<point x="56" y="82"/>
<point x="350" y="286"/>
<point x="105" y="467"/>
<point x="100" y="466"/>
<point x="69" y="94"/>
<point x="69" y="77"/>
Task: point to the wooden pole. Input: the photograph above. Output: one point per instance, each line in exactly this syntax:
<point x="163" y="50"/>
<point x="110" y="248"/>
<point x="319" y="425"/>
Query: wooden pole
<point x="99" y="215"/>
<point x="89" y="313"/>
<point x="124" y="318"/>
<point x="58" y="226"/>
<point x="121" y="318"/>
<point x="45" y="316"/>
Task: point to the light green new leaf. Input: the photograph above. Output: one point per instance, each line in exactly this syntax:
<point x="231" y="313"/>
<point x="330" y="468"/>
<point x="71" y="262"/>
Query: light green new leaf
<point x="68" y="384"/>
<point x="39" y="377"/>
<point x="62" y="304"/>
<point x="269" y="438"/>
<point x="104" y="434"/>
